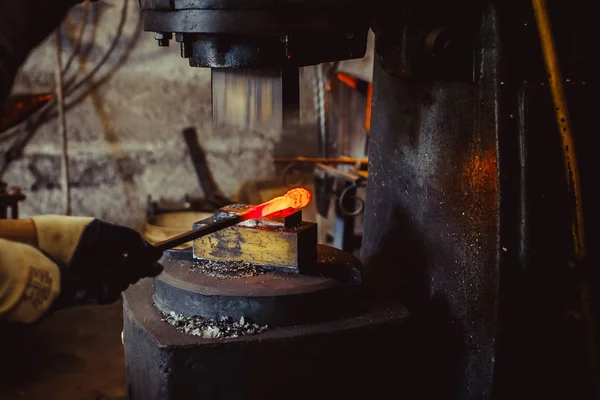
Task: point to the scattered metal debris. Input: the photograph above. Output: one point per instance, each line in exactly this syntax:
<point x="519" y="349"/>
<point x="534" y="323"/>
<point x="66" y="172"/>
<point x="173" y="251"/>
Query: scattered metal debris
<point x="223" y="328"/>
<point x="226" y="269"/>
<point x="221" y="215"/>
<point x="238" y="206"/>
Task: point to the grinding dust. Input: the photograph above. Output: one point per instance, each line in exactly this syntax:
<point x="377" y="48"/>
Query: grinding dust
<point x="223" y="328"/>
<point x="226" y="269"/>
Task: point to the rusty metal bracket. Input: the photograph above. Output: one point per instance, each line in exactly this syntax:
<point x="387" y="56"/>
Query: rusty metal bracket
<point x="328" y="179"/>
<point x="350" y="181"/>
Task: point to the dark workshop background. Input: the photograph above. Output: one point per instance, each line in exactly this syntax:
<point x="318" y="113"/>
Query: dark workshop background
<point x="125" y="140"/>
<point x="125" y="144"/>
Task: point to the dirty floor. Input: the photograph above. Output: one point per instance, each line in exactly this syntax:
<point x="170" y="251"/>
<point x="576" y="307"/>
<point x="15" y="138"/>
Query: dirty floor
<point x="75" y="354"/>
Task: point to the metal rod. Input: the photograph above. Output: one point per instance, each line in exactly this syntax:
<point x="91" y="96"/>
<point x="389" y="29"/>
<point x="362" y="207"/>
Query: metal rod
<point x="319" y="94"/>
<point x="205" y="178"/>
<point x="211" y="226"/>
<point x="564" y="124"/>
<point x="352" y="177"/>
<point x="557" y="91"/>
<point x="322" y="160"/>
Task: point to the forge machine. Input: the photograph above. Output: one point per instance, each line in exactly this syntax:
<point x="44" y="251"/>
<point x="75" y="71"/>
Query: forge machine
<point x="476" y="278"/>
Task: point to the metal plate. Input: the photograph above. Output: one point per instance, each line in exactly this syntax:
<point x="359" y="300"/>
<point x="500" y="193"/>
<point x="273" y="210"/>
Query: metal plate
<point x="269" y="51"/>
<point x="246" y="4"/>
<point x="272" y="298"/>
<point x="259" y="22"/>
<point x="179" y="274"/>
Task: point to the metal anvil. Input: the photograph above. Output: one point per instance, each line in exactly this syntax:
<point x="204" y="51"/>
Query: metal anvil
<point x="283" y="242"/>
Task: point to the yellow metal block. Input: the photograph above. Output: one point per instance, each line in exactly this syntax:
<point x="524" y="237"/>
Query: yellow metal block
<point x="269" y="244"/>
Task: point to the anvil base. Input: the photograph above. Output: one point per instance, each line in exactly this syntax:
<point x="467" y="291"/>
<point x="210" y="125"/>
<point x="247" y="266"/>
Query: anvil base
<point x="366" y="355"/>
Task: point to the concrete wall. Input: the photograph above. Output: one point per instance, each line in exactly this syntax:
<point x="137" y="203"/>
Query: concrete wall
<point x="125" y="138"/>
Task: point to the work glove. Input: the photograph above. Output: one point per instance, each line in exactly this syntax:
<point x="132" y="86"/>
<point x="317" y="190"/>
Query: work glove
<point x="29" y="282"/>
<point x="97" y="260"/>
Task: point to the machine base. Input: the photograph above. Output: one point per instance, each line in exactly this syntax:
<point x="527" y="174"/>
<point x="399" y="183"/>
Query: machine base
<point x="364" y="356"/>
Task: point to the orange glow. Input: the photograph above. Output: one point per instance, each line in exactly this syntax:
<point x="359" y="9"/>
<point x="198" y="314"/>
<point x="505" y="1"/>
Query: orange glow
<point x="295" y="199"/>
<point x="351" y="81"/>
<point x="16" y="108"/>
<point x="369" y="100"/>
<point x="347" y="79"/>
<point x="479" y="177"/>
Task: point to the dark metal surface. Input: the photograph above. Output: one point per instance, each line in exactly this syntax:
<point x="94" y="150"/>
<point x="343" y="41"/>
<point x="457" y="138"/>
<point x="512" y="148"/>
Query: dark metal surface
<point x="226" y="34"/>
<point x="341" y="358"/>
<point x="430" y="44"/>
<point x="432" y="216"/>
<point x="467" y="218"/>
<point x="253" y="22"/>
<point x="543" y="300"/>
<point x="271" y="51"/>
<point x="272" y="298"/>
<point x="290" y="97"/>
<point x="248" y="4"/>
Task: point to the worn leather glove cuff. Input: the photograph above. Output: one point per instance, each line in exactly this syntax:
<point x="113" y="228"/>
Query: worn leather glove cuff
<point x="59" y="235"/>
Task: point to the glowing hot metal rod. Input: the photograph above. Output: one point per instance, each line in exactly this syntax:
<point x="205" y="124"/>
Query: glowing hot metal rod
<point x="293" y="200"/>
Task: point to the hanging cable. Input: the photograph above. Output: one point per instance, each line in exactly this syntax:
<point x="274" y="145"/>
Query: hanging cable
<point x="62" y="123"/>
<point x="79" y="40"/>
<point x="72" y="85"/>
<point x="76" y="49"/>
<point x="30" y="127"/>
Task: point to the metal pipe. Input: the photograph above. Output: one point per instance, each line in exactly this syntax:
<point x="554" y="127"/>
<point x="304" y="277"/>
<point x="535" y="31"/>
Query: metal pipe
<point x="322" y="160"/>
<point x="557" y="91"/>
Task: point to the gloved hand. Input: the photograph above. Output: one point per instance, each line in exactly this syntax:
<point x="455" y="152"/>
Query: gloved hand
<point x="97" y="260"/>
<point x="29" y="282"/>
